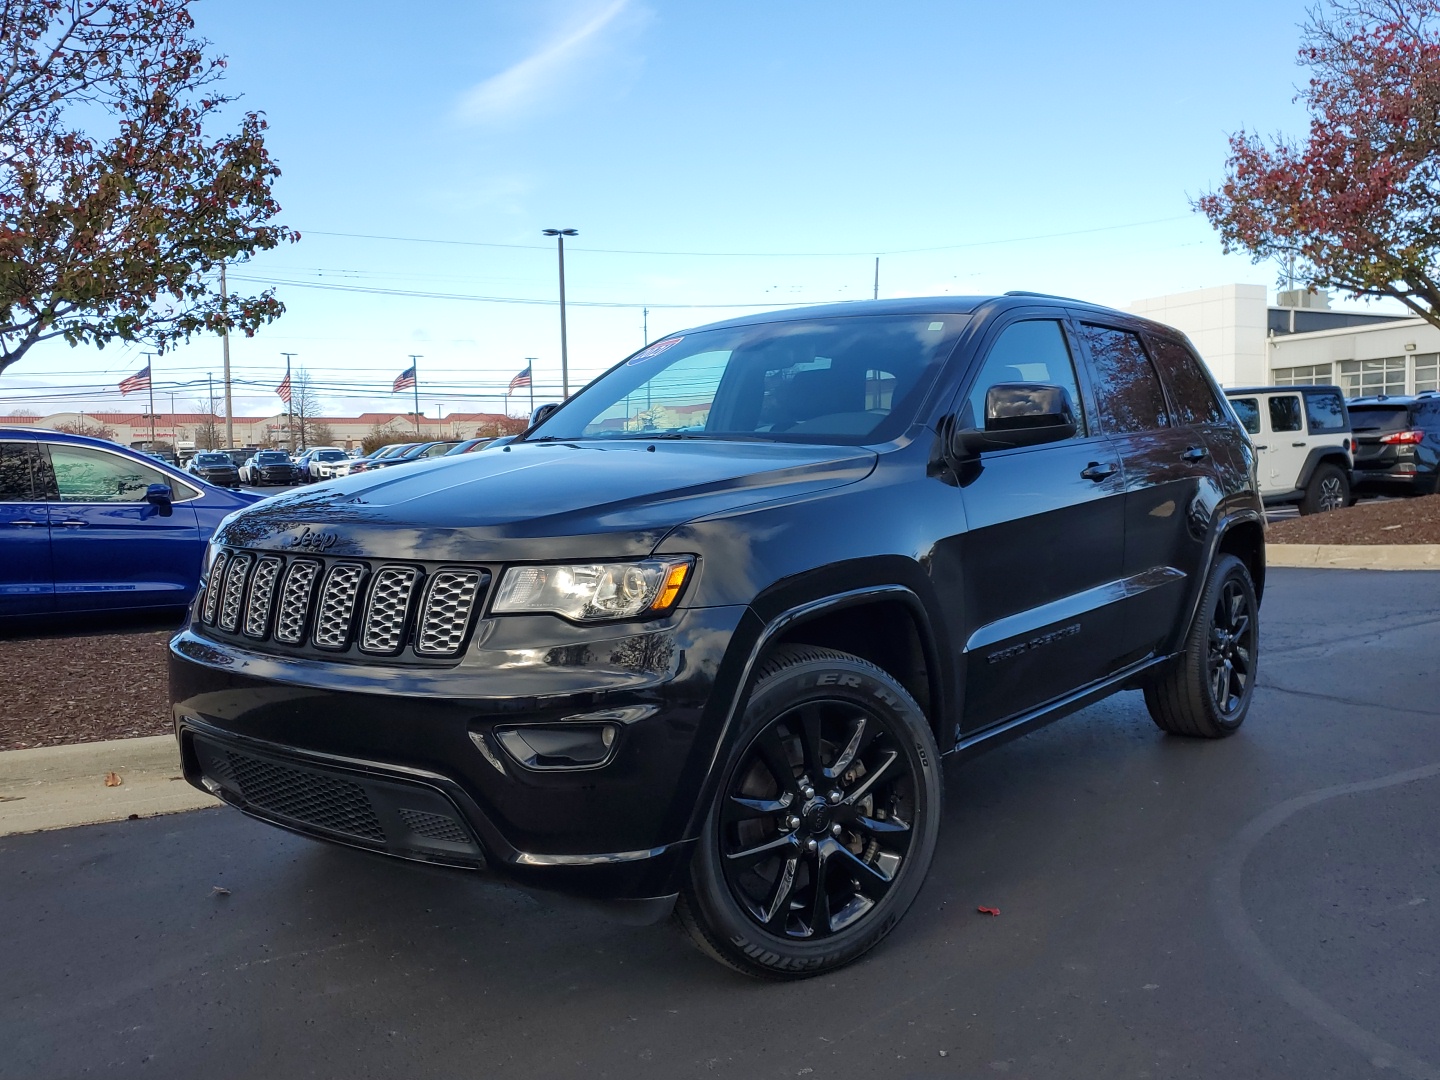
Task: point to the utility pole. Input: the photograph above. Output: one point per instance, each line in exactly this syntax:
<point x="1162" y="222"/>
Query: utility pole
<point x="225" y="340"/>
<point x="210" y="408"/>
<point x="530" y="360"/>
<point x="415" y="370"/>
<point x="289" y="406"/>
<point x="560" y="235"/>
<point x="876" y="296"/>
<point x="645" y="325"/>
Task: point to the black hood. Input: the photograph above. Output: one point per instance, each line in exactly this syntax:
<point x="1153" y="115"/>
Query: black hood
<point x="531" y="501"/>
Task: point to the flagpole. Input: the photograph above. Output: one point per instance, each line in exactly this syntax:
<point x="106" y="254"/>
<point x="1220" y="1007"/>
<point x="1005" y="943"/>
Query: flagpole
<point x="150" y="385"/>
<point x="415" y="384"/>
<point x="530" y="366"/>
<point x="289" y="408"/>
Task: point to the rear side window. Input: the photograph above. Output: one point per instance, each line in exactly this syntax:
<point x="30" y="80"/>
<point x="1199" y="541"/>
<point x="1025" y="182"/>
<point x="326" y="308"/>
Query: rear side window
<point x="16" y="484"/>
<point x="1428" y="415"/>
<point x="1248" y="410"/>
<point x="1285" y="413"/>
<point x="1325" y="409"/>
<point x="1191" y="392"/>
<point x="1126" y="387"/>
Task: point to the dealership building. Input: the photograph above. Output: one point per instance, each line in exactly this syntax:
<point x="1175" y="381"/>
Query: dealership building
<point x="1299" y="340"/>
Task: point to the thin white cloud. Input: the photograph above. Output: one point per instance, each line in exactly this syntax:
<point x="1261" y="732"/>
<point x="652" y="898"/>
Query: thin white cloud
<point x="536" y="79"/>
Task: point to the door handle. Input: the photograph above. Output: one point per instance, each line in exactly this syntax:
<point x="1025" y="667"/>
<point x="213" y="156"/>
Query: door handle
<point x="1195" y="453"/>
<point x="26" y="522"/>
<point x="74" y="524"/>
<point x="1297" y="444"/>
<point x="1097" y="472"/>
<point x="1261" y="446"/>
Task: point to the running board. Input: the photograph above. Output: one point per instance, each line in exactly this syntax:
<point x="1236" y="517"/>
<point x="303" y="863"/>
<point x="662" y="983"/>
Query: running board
<point x="1005" y="730"/>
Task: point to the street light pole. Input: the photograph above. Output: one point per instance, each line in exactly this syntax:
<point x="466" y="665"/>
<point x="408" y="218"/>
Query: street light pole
<point x="560" y="235"/>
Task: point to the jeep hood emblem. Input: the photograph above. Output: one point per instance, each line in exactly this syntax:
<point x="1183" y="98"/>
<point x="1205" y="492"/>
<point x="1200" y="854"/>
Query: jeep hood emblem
<point x="311" y="540"/>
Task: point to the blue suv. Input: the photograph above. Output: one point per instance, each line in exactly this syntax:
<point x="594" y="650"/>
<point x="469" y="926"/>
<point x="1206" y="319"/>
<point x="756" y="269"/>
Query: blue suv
<point x="90" y="526"/>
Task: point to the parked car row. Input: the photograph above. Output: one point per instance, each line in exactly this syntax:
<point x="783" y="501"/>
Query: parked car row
<point x="1321" y="452"/>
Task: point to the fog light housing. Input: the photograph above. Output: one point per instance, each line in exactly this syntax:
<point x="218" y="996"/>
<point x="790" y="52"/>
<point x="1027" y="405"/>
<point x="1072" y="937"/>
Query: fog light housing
<point x="563" y="746"/>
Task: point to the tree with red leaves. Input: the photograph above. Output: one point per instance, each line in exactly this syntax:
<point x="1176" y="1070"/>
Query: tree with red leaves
<point x="1357" y="204"/>
<point x="116" y="206"/>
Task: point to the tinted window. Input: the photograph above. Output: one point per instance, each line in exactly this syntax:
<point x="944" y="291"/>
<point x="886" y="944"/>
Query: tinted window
<point x="85" y="475"/>
<point x="1028" y="352"/>
<point x="1285" y="414"/>
<point x="1191" y="391"/>
<point x="1429" y="414"/>
<point x="1126" y="386"/>
<point x="1248" y="409"/>
<point x="16" y="484"/>
<point x="1325" y="410"/>
<point x="272" y="457"/>
<point x="1379" y="417"/>
<point x="211" y="459"/>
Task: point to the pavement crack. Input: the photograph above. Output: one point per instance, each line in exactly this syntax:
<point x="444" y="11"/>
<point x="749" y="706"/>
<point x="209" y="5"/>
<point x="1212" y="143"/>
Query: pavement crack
<point x="1337" y="699"/>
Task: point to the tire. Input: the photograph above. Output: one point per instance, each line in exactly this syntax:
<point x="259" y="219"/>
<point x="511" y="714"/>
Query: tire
<point x="1329" y="489"/>
<point x="1184" y="699"/>
<point x="751" y="900"/>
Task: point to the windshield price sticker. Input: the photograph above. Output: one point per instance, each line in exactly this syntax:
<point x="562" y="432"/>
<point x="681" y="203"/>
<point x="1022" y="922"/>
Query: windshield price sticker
<point x="654" y="350"/>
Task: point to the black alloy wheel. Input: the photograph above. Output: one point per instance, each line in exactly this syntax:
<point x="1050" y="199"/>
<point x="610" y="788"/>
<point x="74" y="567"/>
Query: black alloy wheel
<point x="1329" y="489"/>
<point x="825" y="822"/>
<point x="1206" y="689"/>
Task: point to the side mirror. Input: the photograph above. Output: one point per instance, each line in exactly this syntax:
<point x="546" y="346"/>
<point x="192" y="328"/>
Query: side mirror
<point x="543" y="413"/>
<point x="1018" y="414"/>
<point x="160" y="497"/>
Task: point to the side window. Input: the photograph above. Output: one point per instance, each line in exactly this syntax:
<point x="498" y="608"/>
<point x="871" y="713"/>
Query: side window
<point x="1325" y="409"/>
<point x="1126" y="386"/>
<point x="16" y="483"/>
<point x="1285" y="413"/>
<point x="1248" y="410"/>
<point x="1191" y="391"/>
<point x="1034" y="352"/>
<point x="86" y="475"/>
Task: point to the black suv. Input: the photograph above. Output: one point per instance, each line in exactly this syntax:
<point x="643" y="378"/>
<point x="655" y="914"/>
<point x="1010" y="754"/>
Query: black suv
<point x="1397" y="444"/>
<point x="699" y="639"/>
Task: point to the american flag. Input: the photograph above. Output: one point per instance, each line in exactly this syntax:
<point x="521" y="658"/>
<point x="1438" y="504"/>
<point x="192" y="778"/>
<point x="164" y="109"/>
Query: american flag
<point x="404" y="380"/>
<point x="520" y="381"/>
<point x="139" y="381"/>
<point x="283" y="390"/>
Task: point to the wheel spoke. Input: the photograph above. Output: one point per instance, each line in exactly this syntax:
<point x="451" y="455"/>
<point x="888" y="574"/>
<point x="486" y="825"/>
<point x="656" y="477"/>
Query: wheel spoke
<point x="1237" y="604"/>
<point x="857" y="793"/>
<point x="811" y="748"/>
<point x="852" y="749"/>
<point x="777" y="760"/>
<point x="743" y="860"/>
<point x="1242" y="623"/>
<point x="1217" y="684"/>
<point x="820" y="901"/>
<point x="873" y="883"/>
<point x="739" y="808"/>
<point x="779" y="905"/>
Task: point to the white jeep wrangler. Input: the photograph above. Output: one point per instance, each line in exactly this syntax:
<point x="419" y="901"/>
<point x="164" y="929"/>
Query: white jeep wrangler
<point x="1303" y="444"/>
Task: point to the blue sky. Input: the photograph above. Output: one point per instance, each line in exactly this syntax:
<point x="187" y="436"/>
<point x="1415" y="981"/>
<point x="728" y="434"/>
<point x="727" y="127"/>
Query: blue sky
<point x="740" y="154"/>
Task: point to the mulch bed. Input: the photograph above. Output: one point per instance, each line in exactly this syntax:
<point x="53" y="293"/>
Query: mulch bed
<point x="1384" y="521"/>
<point x="70" y="689"/>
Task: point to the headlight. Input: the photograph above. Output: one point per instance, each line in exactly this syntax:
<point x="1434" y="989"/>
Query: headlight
<point x="591" y="592"/>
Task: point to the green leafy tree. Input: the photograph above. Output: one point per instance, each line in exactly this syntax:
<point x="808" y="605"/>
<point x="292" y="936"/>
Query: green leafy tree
<point x="1355" y="205"/>
<point x="116" y="203"/>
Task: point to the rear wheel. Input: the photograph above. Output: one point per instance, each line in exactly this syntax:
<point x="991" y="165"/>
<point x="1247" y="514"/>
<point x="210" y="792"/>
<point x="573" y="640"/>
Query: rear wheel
<point x="824" y="824"/>
<point x="1329" y="489"/>
<point x="1206" y="689"/>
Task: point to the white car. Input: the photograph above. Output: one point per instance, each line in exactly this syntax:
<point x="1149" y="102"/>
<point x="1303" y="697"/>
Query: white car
<point x="322" y="462"/>
<point x="1303" y="445"/>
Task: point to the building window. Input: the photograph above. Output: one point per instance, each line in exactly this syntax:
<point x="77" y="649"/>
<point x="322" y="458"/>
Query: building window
<point x="1427" y="372"/>
<point x="1367" y="378"/>
<point x="1314" y="375"/>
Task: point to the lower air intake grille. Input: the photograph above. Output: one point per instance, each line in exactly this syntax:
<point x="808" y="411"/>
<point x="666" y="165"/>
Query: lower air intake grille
<point x="435" y="827"/>
<point x="311" y="798"/>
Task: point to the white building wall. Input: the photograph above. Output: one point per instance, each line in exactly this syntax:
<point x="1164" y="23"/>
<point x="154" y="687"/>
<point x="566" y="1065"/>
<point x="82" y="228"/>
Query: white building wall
<point x="1227" y="324"/>
<point x="1410" y="338"/>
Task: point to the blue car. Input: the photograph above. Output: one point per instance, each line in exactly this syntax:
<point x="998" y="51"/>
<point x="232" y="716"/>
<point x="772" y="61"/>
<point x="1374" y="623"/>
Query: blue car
<point x="88" y="526"/>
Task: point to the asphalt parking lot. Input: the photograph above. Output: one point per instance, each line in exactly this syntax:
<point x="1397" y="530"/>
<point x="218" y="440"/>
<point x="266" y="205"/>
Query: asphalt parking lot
<point x="1264" y="906"/>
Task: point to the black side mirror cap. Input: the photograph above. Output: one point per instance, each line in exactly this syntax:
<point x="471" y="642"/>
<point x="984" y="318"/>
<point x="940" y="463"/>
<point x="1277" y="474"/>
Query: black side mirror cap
<point x="1018" y="414"/>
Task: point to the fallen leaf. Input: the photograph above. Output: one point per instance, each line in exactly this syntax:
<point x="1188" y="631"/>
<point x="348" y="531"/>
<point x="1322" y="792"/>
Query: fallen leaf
<point x="113" y="780"/>
<point x="133" y="817"/>
<point x="219" y="890"/>
<point x="988" y="910"/>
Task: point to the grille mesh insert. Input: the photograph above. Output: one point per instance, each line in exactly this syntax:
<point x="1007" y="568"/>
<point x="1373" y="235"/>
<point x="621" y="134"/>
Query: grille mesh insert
<point x="234" y="591"/>
<point x="435" y="827"/>
<point x="323" y="802"/>
<point x="213" y="587"/>
<point x="337" y="605"/>
<point x="449" y="602"/>
<point x="385" y="612"/>
<point x="262" y="596"/>
<point x="295" y="601"/>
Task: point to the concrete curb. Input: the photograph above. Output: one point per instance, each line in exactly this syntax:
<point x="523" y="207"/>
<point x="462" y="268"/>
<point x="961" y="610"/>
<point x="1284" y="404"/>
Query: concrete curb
<point x="55" y="787"/>
<point x="1355" y="556"/>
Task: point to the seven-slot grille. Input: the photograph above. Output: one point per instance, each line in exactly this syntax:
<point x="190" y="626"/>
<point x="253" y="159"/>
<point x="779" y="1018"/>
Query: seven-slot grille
<point x="337" y="605"/>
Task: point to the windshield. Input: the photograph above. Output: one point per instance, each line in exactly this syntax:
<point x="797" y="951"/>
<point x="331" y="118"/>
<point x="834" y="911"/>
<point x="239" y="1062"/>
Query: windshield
<point x="331" y="455"/>
<point x="853" y="380"/>
<point x="272" y="457"/>
<point x="212" y="459"/>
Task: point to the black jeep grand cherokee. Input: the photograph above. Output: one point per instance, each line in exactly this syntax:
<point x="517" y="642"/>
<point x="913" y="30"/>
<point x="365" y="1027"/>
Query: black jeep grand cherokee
<point x="704" y="633"/>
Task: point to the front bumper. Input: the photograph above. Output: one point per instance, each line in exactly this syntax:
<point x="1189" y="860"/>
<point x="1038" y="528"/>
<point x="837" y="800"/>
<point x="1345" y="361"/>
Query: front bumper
<point x="403" y="760"/>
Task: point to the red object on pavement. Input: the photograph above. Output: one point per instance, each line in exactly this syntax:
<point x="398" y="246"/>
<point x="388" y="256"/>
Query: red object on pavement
<point x="988" y="910"/>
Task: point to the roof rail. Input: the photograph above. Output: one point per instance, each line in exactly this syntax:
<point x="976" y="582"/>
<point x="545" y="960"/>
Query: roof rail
<point x="1049" y="296"/>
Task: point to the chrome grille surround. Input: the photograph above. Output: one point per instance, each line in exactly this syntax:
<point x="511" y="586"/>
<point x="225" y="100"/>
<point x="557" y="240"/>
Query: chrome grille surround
<point x="213" y="585"/>
<point x="384" y="623"/>
<point x="295" y="601"/>
<point x="337" y="605"/>
<point x="262" y="595"/>
<point x="445" y="615"/>
<point x="235" y="577"/>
